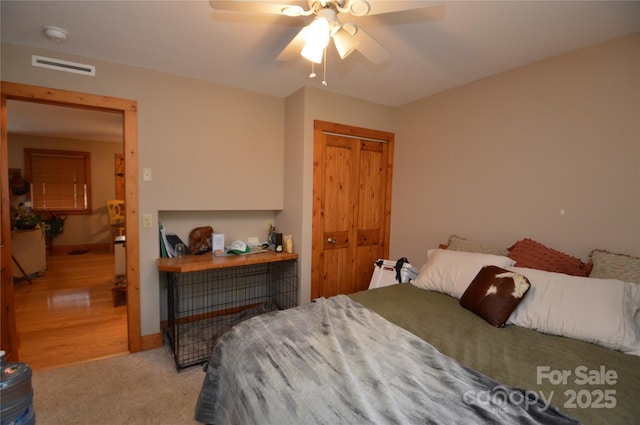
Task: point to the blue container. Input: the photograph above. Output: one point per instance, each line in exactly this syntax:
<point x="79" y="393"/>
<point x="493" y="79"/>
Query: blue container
<point x="16" y="394"/>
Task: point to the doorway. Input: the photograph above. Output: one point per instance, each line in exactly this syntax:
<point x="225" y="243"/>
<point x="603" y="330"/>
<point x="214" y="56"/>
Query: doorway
<point x="127" y="109"/>
<point x="351" y="206"/>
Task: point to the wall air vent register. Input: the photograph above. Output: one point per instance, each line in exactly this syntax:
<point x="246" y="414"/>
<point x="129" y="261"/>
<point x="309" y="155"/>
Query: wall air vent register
<point x="62" y="65"/>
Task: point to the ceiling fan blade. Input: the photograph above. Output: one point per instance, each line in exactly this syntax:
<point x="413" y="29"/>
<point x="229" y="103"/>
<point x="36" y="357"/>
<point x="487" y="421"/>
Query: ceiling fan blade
<point x="370" y="48"/>
<point x="293" y="49"/>
<point x="252" y="6"/>
<point x="378" y="7"/>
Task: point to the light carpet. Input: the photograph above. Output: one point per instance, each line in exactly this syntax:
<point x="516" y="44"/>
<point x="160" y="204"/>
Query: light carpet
<point x="140" y="388"/>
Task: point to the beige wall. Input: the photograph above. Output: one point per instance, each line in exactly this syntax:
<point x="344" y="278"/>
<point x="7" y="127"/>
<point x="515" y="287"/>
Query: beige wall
<point x="498" y="159"/>
<point x="78" y="229"/>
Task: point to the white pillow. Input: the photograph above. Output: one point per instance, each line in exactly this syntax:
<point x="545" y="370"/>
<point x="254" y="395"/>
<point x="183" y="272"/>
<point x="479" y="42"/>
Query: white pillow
<point x="451" y="272"/>
<point x="601" y="311"/>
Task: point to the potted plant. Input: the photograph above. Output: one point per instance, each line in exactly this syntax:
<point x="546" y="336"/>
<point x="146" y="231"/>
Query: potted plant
<point x="27" y="220"/>
<point x="53" y="223"/>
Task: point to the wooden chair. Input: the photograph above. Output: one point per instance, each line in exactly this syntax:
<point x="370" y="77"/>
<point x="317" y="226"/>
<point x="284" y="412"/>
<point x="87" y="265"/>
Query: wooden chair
<point x="115" y="210"/>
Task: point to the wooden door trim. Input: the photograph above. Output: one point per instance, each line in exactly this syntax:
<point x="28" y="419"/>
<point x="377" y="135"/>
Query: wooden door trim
<point x="8" y="331"/>
<point x="317" y="239"/>
<point x="317" y="234"/>
<point x="119" y="176"/>
<point x="128" y="109"/>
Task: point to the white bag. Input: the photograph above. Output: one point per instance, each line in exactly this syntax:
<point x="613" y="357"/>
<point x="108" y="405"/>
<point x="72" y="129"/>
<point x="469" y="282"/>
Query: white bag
<point x="385" y="273"/>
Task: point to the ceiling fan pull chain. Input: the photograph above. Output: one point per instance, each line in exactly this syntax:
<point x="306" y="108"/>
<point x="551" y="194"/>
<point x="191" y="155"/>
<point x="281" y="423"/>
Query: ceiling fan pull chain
<point x="324" y="65"/>
<point x="313" y="72"/>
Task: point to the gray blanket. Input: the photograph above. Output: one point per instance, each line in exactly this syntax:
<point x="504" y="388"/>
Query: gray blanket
<point x="334" y="361"/>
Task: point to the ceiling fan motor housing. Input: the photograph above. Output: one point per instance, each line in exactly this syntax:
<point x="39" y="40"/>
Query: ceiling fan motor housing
<point x="354" y="7"/>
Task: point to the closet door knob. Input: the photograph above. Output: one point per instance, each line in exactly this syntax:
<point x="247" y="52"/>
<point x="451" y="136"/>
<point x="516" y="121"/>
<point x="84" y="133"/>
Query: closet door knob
<point x="331" y="241"/>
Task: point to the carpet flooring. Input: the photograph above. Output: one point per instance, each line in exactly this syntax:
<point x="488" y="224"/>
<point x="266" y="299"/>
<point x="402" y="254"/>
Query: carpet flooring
<point x="140" y="388"/>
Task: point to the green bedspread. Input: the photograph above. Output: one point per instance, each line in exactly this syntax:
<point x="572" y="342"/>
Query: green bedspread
<point x="593" y="384"/>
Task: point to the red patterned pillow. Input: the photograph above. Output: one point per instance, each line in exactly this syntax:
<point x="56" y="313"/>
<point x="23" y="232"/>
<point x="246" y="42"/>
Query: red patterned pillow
<point x="533" y="255"/>
<point x="494" y="293"/>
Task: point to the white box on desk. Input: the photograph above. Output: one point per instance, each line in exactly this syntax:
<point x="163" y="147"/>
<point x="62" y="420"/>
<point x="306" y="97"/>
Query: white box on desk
<point x="217" y="242"/>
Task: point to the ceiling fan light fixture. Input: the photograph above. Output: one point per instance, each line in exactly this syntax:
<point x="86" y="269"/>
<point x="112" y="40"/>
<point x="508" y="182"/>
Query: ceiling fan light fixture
<point x="312" y="53"/>
<point x="345" y="42"/>
<point x="317" y="36"/>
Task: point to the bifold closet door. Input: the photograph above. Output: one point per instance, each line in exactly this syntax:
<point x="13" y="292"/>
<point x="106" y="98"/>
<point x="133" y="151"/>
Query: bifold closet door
<point x="352" y="198"/>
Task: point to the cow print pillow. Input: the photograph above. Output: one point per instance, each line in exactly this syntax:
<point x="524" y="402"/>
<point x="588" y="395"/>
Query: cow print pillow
<point x="494" y="293"/>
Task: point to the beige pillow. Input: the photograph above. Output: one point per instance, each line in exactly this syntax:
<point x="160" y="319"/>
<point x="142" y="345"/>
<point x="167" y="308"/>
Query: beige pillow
<point x="456" y="243"/>
<point x="607" y="265"/>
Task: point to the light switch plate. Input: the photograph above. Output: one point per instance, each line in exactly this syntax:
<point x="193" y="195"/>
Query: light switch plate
<point x="147" y="221"/>
<point x="146" y="174"/>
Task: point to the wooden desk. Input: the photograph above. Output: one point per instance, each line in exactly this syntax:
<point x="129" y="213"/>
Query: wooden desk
<point x="196" y="263"/>
<point x="207" y="295"/>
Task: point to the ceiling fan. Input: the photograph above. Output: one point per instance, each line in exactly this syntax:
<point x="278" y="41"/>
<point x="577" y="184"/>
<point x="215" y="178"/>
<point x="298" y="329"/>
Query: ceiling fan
<point x="312" y="40"/>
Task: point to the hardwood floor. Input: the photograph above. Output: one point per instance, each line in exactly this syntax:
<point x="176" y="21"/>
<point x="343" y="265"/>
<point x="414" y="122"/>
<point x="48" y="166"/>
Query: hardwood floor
<point x="67" y="315"/>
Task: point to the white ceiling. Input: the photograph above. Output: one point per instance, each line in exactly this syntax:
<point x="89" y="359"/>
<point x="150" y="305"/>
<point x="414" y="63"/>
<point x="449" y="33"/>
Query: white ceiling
<point x="432" y="50"/>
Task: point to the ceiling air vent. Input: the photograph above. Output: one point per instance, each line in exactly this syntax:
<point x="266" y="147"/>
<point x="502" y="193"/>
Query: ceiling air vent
<point x="60" y="65"/>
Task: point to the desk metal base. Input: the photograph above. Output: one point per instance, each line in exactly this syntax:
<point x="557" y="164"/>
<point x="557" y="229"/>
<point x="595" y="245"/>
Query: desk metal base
<point x="204" y="304"/>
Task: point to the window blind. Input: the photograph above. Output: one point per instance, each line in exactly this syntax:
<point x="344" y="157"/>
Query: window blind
<point x="59" y="180"/>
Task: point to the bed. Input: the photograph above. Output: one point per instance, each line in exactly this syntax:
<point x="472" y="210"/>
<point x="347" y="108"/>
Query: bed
<point x="412" y="353"/>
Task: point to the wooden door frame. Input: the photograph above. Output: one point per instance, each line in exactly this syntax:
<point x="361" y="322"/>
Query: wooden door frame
<point x="317" y="238"/>
<point x="118" y="178"/>
<point x="128" y="109"/>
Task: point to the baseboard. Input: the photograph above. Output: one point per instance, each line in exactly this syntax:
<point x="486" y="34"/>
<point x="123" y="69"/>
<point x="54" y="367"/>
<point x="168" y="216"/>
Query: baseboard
<point x="149" y="342"/>
<point x="94" y="247"/>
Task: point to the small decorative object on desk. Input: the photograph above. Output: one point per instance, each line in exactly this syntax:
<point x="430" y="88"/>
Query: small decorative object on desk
<point x="288" y="244"/>
<point x="217" y="242"/>
<point x="181" y="249"/>
<point x="200" y="239"/>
